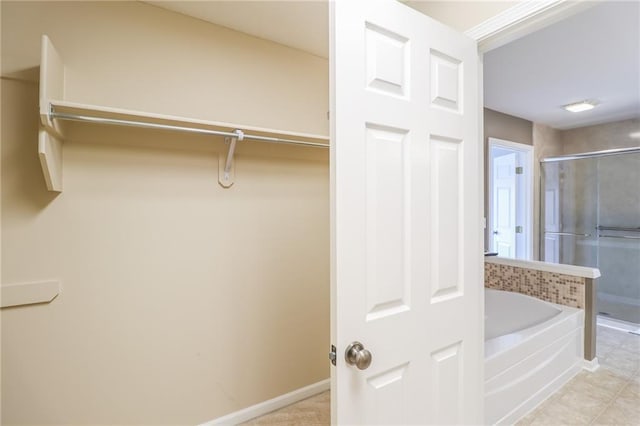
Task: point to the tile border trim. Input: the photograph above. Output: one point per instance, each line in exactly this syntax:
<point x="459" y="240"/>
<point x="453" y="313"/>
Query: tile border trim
<point x="576" y="271"/>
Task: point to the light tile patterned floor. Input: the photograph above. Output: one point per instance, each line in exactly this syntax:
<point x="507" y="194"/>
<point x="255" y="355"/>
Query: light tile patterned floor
<point x="610" y="396"/>
<point x="314" y="411"/>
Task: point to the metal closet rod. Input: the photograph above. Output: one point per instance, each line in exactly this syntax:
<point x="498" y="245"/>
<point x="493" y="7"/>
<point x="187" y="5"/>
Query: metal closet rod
<point x="146" y="125"/>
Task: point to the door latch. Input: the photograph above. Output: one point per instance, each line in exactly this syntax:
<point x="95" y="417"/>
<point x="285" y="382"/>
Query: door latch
<point x="333" y="355"/>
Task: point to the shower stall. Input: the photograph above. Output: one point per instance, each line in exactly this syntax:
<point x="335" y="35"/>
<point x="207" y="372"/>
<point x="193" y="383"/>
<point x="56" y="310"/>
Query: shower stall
<point x="590" y="216"/>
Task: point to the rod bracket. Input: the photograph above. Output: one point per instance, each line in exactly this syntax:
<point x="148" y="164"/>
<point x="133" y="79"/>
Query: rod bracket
<point x="226" y="165"/>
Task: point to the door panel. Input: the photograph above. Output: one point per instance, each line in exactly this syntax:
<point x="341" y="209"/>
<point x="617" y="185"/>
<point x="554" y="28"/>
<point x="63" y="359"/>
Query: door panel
<point x="446" y="232"/>
<point x="406" y="217"/>
<point x="504" y="205"/>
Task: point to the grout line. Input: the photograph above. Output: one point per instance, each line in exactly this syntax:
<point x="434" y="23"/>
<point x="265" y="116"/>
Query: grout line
<point x="627" y="382"/>
<point x="613" y="400"/>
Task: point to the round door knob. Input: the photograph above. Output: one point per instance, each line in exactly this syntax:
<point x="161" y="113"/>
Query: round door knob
<point x="357" y="355"/>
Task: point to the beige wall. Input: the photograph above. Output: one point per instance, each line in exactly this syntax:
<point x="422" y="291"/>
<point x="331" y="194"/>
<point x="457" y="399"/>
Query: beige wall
<point x="461" y="15"/>
<point x="137" y="56"/>
<point x="506" y="127"/>
<point x="601" y="137"/>
<point x="181" y="301"/>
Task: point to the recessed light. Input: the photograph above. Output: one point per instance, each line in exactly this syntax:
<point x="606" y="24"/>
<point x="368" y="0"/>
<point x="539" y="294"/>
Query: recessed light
<point x="581" y="106"/>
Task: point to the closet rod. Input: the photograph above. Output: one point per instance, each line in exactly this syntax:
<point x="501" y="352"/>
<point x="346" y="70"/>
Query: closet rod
<point x="130" y="123"/>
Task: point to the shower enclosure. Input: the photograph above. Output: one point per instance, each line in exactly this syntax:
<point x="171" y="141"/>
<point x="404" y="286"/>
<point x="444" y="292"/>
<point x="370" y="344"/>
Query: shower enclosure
<point x="591" y="217"/>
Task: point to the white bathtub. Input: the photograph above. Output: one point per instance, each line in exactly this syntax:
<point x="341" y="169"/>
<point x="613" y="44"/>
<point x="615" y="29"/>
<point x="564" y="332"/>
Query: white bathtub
<point x="531" y="349"/>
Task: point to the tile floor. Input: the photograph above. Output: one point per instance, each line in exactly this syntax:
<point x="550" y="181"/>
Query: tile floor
<point x="609" y="396"/>
<point x="314" y="411"/>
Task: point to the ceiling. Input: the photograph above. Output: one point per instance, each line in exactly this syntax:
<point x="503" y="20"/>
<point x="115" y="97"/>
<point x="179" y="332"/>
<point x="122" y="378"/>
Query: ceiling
<point x="592" y="55"/>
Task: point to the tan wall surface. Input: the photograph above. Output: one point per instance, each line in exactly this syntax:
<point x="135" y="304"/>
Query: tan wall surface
<point x="136" y="56"/>
<point x="181" y="300"/>
<point x="507" y="127"/>
<point x="601" y="137"/>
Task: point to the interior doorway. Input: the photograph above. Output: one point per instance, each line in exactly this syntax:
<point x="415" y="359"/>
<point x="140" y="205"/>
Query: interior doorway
<point x="510" y="218"/>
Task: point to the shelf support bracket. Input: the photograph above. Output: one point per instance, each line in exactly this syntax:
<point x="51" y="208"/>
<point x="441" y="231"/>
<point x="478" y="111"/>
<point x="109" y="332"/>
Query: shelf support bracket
<point x="226" y="165"/>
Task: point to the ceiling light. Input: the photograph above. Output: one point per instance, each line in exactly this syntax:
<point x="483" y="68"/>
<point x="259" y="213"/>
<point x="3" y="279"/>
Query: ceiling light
<point x="580" y="106"/>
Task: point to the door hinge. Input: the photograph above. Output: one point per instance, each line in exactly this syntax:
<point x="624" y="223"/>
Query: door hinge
<point x="333" y="355"/>
<point x="518" y="229"/>
<point x="519" y="170"/>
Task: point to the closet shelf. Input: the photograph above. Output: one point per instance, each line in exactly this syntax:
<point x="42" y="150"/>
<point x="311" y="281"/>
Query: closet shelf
<point x="53" y="108"/>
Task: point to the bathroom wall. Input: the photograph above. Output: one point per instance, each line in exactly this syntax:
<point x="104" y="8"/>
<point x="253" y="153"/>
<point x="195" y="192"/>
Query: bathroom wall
<point x="619" y="134"/>
<point x="180" y="299"/>
<point x="507" y="127"/>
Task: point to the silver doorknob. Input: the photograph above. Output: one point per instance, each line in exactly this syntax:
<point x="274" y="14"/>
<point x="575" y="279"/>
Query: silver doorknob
<point x="495" y="232"/>
<point x="357" y="355"/>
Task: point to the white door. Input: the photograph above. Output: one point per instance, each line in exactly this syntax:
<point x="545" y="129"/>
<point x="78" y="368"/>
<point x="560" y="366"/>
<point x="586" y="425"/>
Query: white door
<point x="407" y="262"/>
<point x="504" y="205"/>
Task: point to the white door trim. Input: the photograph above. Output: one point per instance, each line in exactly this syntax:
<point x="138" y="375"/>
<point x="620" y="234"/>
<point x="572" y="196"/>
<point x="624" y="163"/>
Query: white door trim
<point x="524" y="18"/>
<point x="527" y="150"/>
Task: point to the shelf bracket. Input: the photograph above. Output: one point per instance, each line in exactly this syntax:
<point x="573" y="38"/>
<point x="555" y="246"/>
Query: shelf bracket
<point x="226" y="165"/>
<point x="50" y="154"/>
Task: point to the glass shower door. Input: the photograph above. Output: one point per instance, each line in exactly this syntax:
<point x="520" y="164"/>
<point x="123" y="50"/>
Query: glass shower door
<point x="618" y="230"/>
<point x="569" y="205"/>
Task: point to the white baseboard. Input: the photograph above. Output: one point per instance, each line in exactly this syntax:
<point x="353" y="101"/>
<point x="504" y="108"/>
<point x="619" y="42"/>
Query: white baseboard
<point x="270" y="405"/>
<point x="592" y="365"/>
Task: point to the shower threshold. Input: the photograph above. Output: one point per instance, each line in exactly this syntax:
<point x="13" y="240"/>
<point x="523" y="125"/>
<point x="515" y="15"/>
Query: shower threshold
<point x="617" y="324"/>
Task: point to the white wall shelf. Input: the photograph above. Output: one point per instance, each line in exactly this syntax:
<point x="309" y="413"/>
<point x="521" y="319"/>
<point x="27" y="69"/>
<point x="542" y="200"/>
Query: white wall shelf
<point x="29" y="293"/>
<point x="54" y="107"/>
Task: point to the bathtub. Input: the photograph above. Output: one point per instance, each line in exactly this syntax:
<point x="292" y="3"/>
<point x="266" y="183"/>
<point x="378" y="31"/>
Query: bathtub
<point x="532" y="348"/>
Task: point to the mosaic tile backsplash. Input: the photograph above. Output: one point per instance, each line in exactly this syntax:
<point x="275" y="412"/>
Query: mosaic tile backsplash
<point x="552" y="287"/>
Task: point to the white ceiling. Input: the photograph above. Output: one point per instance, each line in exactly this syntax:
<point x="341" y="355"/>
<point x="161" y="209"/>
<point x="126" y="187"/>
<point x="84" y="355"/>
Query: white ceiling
<point x="592" y="55"/>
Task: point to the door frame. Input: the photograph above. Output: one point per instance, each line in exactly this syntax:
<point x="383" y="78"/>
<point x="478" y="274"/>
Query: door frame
<point x="526" y="17"/>
<point x="525" y="151"/>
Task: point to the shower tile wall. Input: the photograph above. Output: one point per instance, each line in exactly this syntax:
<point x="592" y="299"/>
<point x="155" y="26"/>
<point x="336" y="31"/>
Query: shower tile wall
<point x="600" y="137"/>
